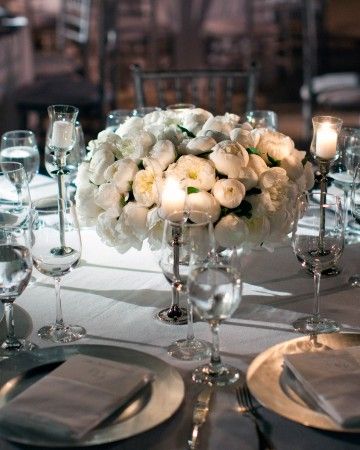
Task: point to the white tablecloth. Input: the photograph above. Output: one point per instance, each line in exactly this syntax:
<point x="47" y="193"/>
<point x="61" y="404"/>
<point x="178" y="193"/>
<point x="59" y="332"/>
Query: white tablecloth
<point x="115" y="297"/>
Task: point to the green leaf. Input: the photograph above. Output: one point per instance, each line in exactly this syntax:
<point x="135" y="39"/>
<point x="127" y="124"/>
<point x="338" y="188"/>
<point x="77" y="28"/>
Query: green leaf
<point x="304" y="160"/>
<point x="273" y="162"/>
<point x="141" y="165"/>
<point x="192" y="190"/>
<point x="122" y="201"/>
<point x="253" y="151"/>
<point x="184" y="130"/>
<point x="253" y="191"/>
<point x="243" y="210"/>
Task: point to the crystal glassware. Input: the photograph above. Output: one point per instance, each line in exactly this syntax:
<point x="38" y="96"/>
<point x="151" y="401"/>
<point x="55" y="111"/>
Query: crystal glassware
<point x="15" y="272"/>
<point x="117" y="117"/>
<point x="262" y="118"/>
<point x="354" y="280"/>
<point x="141" y="111"/>
<point x="55" y="258"/>
<point x="214" y="286"/>
<point x="318" y="243"/>
<point x="193" y="232"/>
<point x="20" y="146"/>
<point x="180" y="107"/>
<point x="15" y="202"/>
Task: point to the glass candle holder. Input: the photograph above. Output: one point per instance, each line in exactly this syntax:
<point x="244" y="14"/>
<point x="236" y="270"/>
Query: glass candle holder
<point x="324" y="144"/>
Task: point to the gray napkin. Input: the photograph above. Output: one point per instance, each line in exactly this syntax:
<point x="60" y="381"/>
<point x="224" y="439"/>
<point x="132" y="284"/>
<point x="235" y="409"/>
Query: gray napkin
<point x="74" y="398"/>
<point x="331" y="379"/>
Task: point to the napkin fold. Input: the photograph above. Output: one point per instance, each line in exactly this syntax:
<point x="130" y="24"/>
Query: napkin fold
<point x="74" y="398"/>
<point x="331" y="379"/>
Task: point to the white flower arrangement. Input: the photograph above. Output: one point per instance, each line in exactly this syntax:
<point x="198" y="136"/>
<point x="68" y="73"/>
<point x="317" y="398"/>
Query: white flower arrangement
<point x="246" y="179"/>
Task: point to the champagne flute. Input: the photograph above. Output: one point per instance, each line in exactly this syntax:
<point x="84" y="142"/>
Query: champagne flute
<point x="15" y="272"/>
<point x="214" y="285"/>
<point x="55" y="258"/>
<point x="20" y="146"/>
<point x="354" y="280"/>
<point x="190" y="232"/>
<point x="318" y="243"/>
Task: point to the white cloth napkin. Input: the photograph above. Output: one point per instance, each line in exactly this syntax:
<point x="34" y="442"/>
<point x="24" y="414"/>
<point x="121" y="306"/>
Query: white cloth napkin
<point x="74" y="398"/>
<point x="331" y="379"/>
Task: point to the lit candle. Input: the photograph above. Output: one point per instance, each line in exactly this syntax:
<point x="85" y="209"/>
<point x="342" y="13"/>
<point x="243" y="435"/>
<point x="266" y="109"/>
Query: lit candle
<point x="172" y="198"/>
<point x="326" y="140"/>
<point x="62" y="134"/>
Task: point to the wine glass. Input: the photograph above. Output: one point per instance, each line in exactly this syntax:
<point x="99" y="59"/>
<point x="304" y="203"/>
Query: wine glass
<point x="318" y="243"/>
<point x="262" y="119"/>
<point x="185" y="232"/>
<point x="20" y="146"/>
<point x="117" y="117"/>
<point x="15" y="203"/>
<point x="55" y="255"/>
<point x="15" y="272"/>
<point x="214" y="286"/>
<point x="354" y="280"/>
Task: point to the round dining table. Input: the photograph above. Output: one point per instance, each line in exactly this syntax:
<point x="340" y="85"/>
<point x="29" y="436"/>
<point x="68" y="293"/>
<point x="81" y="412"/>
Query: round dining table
<point x="116" y="297"/>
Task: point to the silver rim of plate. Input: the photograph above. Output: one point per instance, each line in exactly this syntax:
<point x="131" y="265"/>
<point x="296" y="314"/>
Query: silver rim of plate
<point x="278" y="391"/>
<point x="155" y="405"/>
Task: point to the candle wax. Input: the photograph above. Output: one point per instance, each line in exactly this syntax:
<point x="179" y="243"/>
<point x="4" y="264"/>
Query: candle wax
<point x="173" y="198"/>
<point x="326" y="140"/>
<point x="62" y="134"/>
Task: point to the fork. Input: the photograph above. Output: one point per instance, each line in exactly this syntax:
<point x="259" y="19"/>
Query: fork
<point x="247" y="407"/>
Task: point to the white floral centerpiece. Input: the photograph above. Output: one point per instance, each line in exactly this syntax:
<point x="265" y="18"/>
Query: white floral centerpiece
<point x="246" y="179"/>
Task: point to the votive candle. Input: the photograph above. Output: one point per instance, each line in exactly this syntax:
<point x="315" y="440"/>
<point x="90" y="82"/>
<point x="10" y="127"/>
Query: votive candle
<point x="62" y="134"/>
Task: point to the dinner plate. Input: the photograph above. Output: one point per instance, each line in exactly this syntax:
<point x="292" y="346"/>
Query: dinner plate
<point x="152" y="406"/>
<point x="276" y="389"/>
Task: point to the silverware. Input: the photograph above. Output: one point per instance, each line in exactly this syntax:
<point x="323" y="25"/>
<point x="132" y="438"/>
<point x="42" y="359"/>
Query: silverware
<point x="200" y="413"/>
<point x="247" y="407"/>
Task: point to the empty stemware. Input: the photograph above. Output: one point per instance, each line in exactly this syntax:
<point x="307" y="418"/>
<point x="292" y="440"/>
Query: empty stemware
<point x="20" y="146"/>
<point x="263" y="119"/>
<point x="318" y="243"/>
<point x="56" y="257"/>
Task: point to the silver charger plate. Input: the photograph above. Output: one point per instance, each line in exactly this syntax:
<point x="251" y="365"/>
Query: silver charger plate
<point x="277" y="390"/>
<point x="154" y="404"/>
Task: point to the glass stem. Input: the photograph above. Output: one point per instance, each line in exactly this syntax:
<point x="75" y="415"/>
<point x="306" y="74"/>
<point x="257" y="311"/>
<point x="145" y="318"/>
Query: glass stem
<point x="59" y="323"/>
<point x="11" y="340"/>
<point x="190" y="321"/>
<point x="346" y="208"/>
<point x="215" y="351"/>
<point x="316" y="309"/>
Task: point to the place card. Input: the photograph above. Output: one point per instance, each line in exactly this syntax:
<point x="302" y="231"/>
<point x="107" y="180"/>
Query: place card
<point x="331" y="379"/>
<point x="74" y="398"/>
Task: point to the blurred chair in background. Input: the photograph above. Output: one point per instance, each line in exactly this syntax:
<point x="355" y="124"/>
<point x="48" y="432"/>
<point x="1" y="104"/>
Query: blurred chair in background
<point x="217" y="90"/>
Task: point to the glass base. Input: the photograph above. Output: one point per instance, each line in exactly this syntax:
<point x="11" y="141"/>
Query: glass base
<point x="310" y="325"/>
<point x="68" y="333"/>
<point x="180" y="319"/>
<point x="6" y="350"/>
<point x="223" y="376"/>
<point x="190" y="349"/>
<point x="354" y="281"/>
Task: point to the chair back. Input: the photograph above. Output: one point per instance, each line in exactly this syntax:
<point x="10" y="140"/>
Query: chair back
<point x="217" y="90"/>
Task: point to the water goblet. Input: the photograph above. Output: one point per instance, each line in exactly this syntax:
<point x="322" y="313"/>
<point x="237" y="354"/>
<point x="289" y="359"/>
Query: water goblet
<point x="20" y="146"/>
<point x="15" y="202"/>
<point x="214" y="286"/>
<point x="15" y="272"/>
<point x="55" y="258"/>
<point x="193" y="233"/>
<point x="262" y="119"/>
<point x="318" y="243"/>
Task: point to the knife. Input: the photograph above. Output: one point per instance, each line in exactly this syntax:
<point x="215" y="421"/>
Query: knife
<point x="200" y="413"/>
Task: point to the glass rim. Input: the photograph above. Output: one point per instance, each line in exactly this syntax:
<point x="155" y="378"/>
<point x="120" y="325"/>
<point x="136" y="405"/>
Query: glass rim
<point x="13" y="163"/>
<point x="180" y="105"/>
<point x="9" y="133"/>
<point x="65" y="109"/>
<point x="186" y="216"/>
<point x="332" y="119"/>
<point x="252" y="111"/>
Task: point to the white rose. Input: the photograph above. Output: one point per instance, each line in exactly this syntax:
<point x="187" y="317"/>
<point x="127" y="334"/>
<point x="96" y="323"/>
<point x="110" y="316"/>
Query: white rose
<point x="229" y="192"/>
<point x="87" y="208"/>
<point x="98" y="164"/>
<point x="248" y="177"/>
<point x="108" y="197"/>
<point x="231" y="231"/>
<point x="197" y="146"/>
<point x="146" y="187"/>
<point x="229" y="157"/>
<point x="164" y="152"/>
<point x="121" y="173"/>
<point x="130" y="126"/>
<point x="257" y="164"/>
<point x="275" y="145"/>
<point x="205" y="203"/>
<point x="193" y="171"/>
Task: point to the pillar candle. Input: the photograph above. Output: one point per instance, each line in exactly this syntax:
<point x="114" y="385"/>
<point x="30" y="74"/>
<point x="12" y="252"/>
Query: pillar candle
<point x="62" y="134"/>
<point x="326" y="140"/>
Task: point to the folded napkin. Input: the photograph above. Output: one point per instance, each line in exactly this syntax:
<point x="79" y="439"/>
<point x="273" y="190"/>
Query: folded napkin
<point x="74" y="398"/>
<point x="331" y="379"/>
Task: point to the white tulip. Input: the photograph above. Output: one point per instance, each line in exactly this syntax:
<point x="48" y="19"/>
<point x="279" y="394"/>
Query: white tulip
<point x="231" y="231"/>
<point x="229" y="192"/>
<point x="203" y="202"/>
<point x="164" y="152"/>
<point x="108" y="198"/>
<point x="98" y="164"/>
<point x="121" y="173"/>
<point x="146" y="187"/>
<point x="193" y="171"/>
<point x="229" y="157"/>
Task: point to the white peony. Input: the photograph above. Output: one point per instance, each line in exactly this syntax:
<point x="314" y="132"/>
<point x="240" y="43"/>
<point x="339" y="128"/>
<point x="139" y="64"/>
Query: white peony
<point x="164" y="153"/>
<point x="193" y="171"/>
<point x="274" y="145"/>
<point x="194" y="119"/>
<point x="130" y="126"/>
<point x="229" y="192"/>
<point x="82" y="176"/>
<point x="229" y="157"/>
<point x="248" y="177"/>
<point x="88" y="210"/>
<point x="106" y="141"/>
<point x="293" y="164"/>
<point x="146" y="187"/>
<point x="106" y="229"/>
<point x="245" y="137"/>
<point x="276" y="182"/>
<point x="221" y="124"/>
<point x="204" y="202"/>
<point x="134" y="216"/>
<point x="155" y="227"/>
<point x="259" y="230"/>
<point x="101" y="160"/>
<point x="257" y="164"/>
<point x="231" y="231"/>
<point x="121" y="173"/>
<point x="196" y="146"/>
<point x="109" y="198"/>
